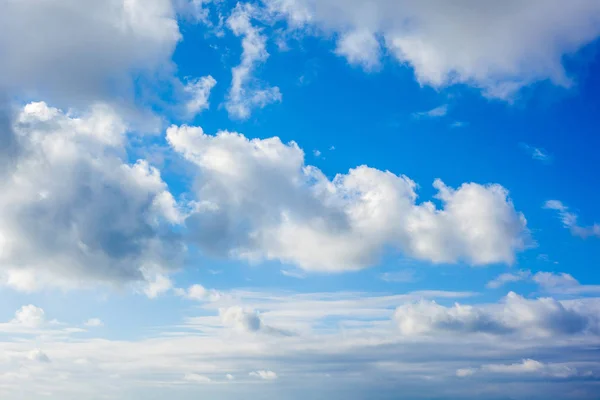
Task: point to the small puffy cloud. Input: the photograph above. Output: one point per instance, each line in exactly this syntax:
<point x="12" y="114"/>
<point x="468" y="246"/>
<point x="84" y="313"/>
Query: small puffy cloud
<point x="74" y="212"/>
<point x="198" y="91"/>
<point x="246" y="93"/>
<point x="156" y="284"/>
<point x="543" y="317"/>
<point x="240" y="319"/>
<point x="496" y="48"/>
<point x="562" y="283"/>
<point x="39" y="356"/>
<point x="433" y="113"/>
<point x="569" y="220"/>
<point x="230" y="377"/>
<point x="257" y="199"/>
<point x="94" y="323"/>
<point x="29" y="316"/>
<point x="505" y="278"/>
<point x="199" y="293"/>
<point x="264" y="375"/>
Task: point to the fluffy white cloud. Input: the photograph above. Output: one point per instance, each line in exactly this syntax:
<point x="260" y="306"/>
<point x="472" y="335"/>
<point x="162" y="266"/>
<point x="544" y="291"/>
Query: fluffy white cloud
<point x="198" y="91"/>
<point x="241" y="320"/>
<point x="73" y="211"/>
<point x="257" y="199"/>
<point x="563" y="284"/>
<point x="569" y="220"/>
<point x="246" y="93"/>
<point x="265" y="375"/>
<point x="84" y="50"/>
<point x="199" y="293"/>
<point x="29" y="316"/>
<point x="360" y="48"/>
<point x="497" y="46"/>
<point x="543" y="317"/>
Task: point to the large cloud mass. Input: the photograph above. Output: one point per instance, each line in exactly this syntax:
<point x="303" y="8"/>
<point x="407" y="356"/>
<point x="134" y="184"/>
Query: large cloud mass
<point x="258" y="200"/>
<point x="73" y="211"/>
<point x="498" y="46"/>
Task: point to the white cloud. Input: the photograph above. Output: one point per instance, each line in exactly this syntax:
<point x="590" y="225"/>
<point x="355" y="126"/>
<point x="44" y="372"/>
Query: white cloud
<point x="241" y="320"/>
<point x="39" y="356"/>
<point x="264" y="375"/>
<point x="199" y="293"/>
<point x="527" y="366"/>
<point x="498" y="47"/>
<point x="563" y="284"/>
<point x="30" y="316"/>
<point x="196" y="378"/>
<point x="433" y="113"/>
<point x="505" y="278"/>
<point x="360" y="48"/>
<point x="543" y="317"/>
<point x="94" y="323"/>
<point x="257" y="199"/>
<point x="86" y="50"/>
<point x="198" y="91"/>
<point x="404" y="276"/>
<point x="569" y="220"/>
<point x="536" y="153"/>
<point x="246" y="93"/>
<point x="73" y="212"/>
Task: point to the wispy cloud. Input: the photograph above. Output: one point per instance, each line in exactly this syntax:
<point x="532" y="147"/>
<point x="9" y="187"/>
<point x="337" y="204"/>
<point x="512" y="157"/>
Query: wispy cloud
<point x="569" y="220"/>
<point x="433" y="113"/>
<point x="537" y="153"/>
<point x="405" y="276"/>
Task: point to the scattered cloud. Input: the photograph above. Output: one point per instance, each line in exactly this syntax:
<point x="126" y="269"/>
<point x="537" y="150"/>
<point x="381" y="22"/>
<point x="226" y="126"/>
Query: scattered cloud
<point x="246" y="93"/>
<point x="94" y="323"/>
<point x="39" y="356"/>
<point x="543" y="317"/>
<point x="536" y="153"/>
<point x="503" y="279"/>
<point x="569" y="220"/>
<point x="264" y="375"/>
<point x="437" y="112"/>
<point x="198" y="91"/>
<point x="360" y="47"/>
<point x="196" y="378"/>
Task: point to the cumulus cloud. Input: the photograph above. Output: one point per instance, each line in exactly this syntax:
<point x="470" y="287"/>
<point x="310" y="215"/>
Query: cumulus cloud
<point x="246" y="93"/>
<point x="257" y="199"/>
<point x="198" y="92"/>
<point x="264" y="375"/>
<point x="562" y="283"/>
<point x="569" y="220"/>
<point x="360" y="48"/>
<point x="84" y="50"/>
<point x="498" y="47"/>
<point x="29" y="316"/>
<point x="73" y="211"/>
<point x="199" y="293"/>
<point x="543" y="317"/>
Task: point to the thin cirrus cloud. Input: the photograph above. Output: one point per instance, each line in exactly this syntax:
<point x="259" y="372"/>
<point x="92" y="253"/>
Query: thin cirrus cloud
<point x="537" y="153"/>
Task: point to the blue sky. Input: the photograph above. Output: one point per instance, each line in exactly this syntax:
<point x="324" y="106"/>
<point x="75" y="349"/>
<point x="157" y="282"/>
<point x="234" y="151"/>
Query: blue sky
<point x="299" y="199"/>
